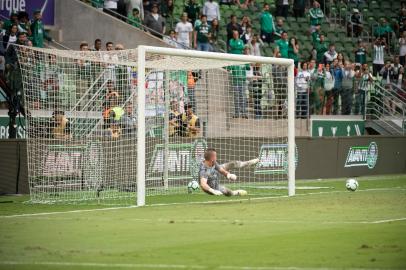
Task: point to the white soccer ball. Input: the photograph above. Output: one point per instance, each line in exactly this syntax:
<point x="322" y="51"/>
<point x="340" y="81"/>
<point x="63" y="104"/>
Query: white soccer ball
<point x="192" y="186"/>
<point x="351" y="184"/>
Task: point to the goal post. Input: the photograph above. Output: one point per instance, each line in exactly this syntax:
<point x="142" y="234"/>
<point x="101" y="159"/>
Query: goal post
<point x="111" y="126"/>
<point x="143" y="52"/>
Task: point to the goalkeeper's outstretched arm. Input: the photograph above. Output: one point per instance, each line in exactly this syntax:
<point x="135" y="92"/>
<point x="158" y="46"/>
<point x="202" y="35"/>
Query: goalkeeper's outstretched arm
<point x="227" y="174"/>
<point x="207" y="188"/>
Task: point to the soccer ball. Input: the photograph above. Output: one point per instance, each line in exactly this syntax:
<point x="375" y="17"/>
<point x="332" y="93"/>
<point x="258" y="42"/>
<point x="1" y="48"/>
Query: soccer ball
<point x="351" y="184"/>
<point x="192" y="186"/>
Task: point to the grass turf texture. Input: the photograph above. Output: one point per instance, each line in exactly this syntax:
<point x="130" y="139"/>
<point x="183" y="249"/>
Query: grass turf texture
<point x="322" y="228"/>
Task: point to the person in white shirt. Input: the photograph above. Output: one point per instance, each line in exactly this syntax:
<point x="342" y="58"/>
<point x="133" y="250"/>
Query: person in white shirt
<point x="302" y="84"/>
<point x="255" y="44"/>
<point x="379" y="56"/>
<point x="402" y="48"/>
<point x="330" y="55"/>
<point x="211" y="10"/>
<point x="184" y="30"/>
<point x="171" y="39"/>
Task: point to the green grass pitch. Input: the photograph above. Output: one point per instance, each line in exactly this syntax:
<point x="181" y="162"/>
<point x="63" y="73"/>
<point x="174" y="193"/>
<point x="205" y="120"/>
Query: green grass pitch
<point x="323" y="228"/>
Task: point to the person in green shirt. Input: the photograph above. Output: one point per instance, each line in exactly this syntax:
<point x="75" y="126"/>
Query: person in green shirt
<point x="278" y="29"/>
<point x="383" y="30"/>
<point x="24" y="22"/>
<point x="267" y="25"/>
<point x="316" y="16"/>
<point x="38" y="33"/>
<point x="316" y="34"/>
<point x="192" y="9"/>
<point x="202" y="33"/>
<point x="293" y="50"/>
<point x="238" y="75"/>
<point x="134" y="19"/>
<point x="321" y="48"/>
<point x="236" y="45"/>
<point x="360" y="54"/>
<point x="8" y="23"/>
<point x="282" y="46"/>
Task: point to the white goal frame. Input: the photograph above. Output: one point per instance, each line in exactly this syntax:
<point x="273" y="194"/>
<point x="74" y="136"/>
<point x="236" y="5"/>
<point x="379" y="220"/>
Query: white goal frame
<point x="141" y="148"/>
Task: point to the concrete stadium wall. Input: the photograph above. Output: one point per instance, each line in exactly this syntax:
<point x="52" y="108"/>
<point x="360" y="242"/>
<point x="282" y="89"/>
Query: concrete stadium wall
<point x="76" y="22"/>
<point x="317" y="158"/>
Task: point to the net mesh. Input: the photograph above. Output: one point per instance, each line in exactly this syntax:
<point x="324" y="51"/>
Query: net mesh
<point x="82" y="123"/>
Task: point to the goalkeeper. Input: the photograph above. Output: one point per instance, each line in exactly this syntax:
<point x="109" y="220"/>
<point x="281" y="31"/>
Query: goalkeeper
<point x="209" y="174"/>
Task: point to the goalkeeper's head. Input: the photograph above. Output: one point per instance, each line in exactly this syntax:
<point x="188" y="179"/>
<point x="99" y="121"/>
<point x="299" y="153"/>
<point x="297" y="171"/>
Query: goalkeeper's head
<point x="210" y="156"/>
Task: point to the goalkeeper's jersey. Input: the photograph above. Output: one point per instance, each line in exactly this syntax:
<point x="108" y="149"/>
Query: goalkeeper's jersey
<point x="210" y="173"/>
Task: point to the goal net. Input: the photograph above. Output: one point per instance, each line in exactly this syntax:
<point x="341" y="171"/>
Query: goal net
<point x="113" y="126"/>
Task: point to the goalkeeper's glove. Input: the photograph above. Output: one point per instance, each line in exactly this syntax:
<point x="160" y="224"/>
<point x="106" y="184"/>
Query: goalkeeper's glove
<point x="231" y="176"/>
<point x="215" y="192"/>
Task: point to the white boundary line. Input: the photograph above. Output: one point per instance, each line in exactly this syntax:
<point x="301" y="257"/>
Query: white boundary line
<point x="174" y="266"/>
<point x="192" y="203"/>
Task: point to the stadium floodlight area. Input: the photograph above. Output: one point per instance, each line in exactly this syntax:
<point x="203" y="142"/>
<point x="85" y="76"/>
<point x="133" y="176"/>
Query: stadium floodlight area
<point x="116" y="126"/>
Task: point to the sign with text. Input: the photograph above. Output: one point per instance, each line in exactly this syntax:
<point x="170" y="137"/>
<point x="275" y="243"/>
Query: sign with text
<point x="273" y="159"/>
<point x="337" y="127"/>
<point x="47" y="8"/>
<point x="359" y="156"/>
<point x="4" y="120"/>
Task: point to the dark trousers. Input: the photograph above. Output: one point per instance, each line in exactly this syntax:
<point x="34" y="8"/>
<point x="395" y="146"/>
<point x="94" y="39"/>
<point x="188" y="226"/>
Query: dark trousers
<point x="346" y="101"/>
<point x="257" y="96"/>
<point x="301" y="104"/>
<point x="359" y="102"/>
<point x="376" y="68"/>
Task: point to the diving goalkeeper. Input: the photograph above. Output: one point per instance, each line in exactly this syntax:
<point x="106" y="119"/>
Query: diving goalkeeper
<point x="209" y="174"/>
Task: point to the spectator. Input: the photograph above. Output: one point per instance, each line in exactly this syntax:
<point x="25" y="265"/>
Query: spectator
<point x="402" y="48"/>
<point x="171" y="39"/>
<point x="255" y="45"/>
<point x="328" y="85"/>
<point x="97" y="45"/>
<point x="247" y="35"/>
<point x="256" y="89"/>
<point x="330" y="55"/>
<point x="192" y="8"/>
<point x="302" y="83"/>
<point x="214" y="34"/>
<point x="316" y="34"/>
<point x="155" y="22"/>
<point x="340" y="58"/>
<point x="279" y="28"/>
<point x="267" y="25"/>
<point x="364" y="78"/>
<point x="398" y="71"/>
<point x="321" y="49"/>
<point x="114" y="130"/>
<point x="60" y="126"/>
<point x="82" y="77"/>
<point x="379" y="56"/>
<point x="236" y="45"/>
<point x="202" y="35"/>
<point x="167" y="9"/>
<point x="135" y="4"/>
<point x="211" y="10"/>
<point x="337" y="71"/>
<point x="299" y="8"/>
<point x="282" y="46"/>
<point x="190" y="124"/>
<point x="13" y="20"/>
<point x="316" y="16"/>
<point x="11" y="37"/>
<point x="24" y="22"/>
<point x="232" y="26"/>
<point x="184" y="30"/>
<point x="191" y="86"/>
<point x="135" y="19"/>
<point x="282" y="8"/>
<point x="403" y="26"/>
<point x="245" y="23"/>
<point x="383" y="30"/>
<point x="279" y="74"/>
<point x="174" y="119"/>
<point x="129" y="120"/>
<point x="293" y="50"/>
<point x="317" y="90"/>
<point x="238" y="74"/>
<point x="354" y="26"/>
<point x="360" y="54"/>
<point x="347" y="88"/>
<point x="38" y="31"/>
<point x="244" y="4"/>
<point x="111" y="7"/>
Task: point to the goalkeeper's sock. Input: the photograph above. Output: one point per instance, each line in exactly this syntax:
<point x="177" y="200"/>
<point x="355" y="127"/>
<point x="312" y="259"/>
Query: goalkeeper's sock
<point x="248" y="162"/>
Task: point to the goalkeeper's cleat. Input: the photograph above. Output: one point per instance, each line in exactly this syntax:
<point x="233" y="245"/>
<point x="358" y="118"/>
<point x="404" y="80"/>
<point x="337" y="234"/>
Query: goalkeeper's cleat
<point x="240" y="192"/>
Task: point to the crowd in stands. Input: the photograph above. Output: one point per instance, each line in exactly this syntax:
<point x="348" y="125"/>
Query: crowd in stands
<point x="327" y="80"/>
